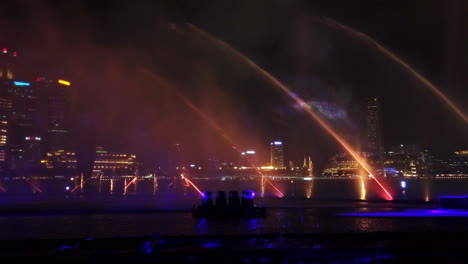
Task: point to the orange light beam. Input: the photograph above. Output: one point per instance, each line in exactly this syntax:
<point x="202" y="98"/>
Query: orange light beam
<point x="335" y="24"/>
<point x="296" y="98"/>
<point x="74" y="189"/>
<point x="128" y="184"/>
<point x="131" y="182"/>
<point x="193" y="185"/>
<point x="210" y="121"/>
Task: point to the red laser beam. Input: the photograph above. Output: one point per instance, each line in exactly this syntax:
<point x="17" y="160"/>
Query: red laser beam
<point x="272" y="185"/>
<point x="34" y="186"/>
<point x="74" y="189"/>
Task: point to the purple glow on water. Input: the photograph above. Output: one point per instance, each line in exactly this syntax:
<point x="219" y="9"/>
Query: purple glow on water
<point x="412" y="213"/>
<point x="249" y="194"/>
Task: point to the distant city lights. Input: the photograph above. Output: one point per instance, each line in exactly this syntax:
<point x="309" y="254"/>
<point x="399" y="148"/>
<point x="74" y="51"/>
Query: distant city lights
<point x="403" y="184"/>
<point x="33" y="138"/>
<point x="67" y="83"/>
<point x="20" y="83"/>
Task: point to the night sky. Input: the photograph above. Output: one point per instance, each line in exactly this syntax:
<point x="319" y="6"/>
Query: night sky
<point x="111" y="51"/>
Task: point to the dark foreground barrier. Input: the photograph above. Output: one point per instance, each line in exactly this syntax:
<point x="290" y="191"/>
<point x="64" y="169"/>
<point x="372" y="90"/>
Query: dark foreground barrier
<point x="275" y="248"/>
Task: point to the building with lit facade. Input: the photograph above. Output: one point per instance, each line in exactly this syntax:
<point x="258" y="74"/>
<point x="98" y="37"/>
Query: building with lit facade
<point x="7" y="60"/>
<point x="55" y="101"/>
<point x="344" y="165"/>
<point x="112" y="163"/>
<point x="412" y="161"/>
<point x="374" y="127"/>
<point x="60" y="163"/>
<point x="24" y="124"/>
<point x="277" y="155"/>
<point x="19" y="117"/>
<point x="249" y="159"/>
<point x="5" y="108"/>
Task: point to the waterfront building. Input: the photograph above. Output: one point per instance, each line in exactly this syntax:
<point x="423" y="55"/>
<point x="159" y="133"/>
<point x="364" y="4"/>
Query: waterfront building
<point x="108" y="162"/>
<point x="277" y="155"/>
<point x="60" y="162"/>
<point x="344" y="165"/>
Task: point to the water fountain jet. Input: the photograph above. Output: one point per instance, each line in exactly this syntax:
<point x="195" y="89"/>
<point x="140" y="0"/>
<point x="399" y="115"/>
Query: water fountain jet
<point x="226" y="47"/>
<point x="213" y="124"/>
<point x="372" y="42"/>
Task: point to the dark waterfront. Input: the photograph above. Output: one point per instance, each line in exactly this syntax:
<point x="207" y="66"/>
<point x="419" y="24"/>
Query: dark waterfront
<point x="137" y="218"/>
<point x="75" y="216"/>
<point x="333" y="225"/>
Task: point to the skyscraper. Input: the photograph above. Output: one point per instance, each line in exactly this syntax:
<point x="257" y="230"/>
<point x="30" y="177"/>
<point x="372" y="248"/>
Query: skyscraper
<point x="7" y="60"/>
<point x="374" y="126"/>
<point x="55" y="101"/>
<point x="24" y="121"/>
<point x="19" y="116"/>
<point x="277" y="155"/>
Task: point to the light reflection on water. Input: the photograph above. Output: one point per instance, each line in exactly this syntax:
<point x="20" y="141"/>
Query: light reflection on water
<point x="315" y="188"/>
<point x="286" y="216"/>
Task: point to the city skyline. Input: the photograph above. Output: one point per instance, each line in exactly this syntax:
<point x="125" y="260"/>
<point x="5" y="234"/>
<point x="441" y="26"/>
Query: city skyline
<point x="119" y="106"/>
<point x="247" y="131"/>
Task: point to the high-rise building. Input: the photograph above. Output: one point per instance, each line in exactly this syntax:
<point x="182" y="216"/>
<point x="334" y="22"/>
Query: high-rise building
<point x="31" y="156"/>
<point x="55" y="100"/>
<point x="7" y="62"/>
<point x="33" y="116"/>
<point x="374" y="127"/>
<point x="5" y="109"/>
<point x="277" y="155"/>
<point x="24" y="121"/>
<point x="19" y="115"/>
